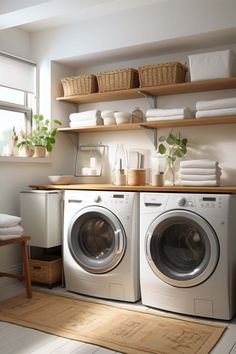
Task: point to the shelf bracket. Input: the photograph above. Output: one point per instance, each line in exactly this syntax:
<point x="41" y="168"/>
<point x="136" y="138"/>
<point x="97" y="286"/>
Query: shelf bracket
<point x="155" y="135"/>
<point x="149" y="95"/>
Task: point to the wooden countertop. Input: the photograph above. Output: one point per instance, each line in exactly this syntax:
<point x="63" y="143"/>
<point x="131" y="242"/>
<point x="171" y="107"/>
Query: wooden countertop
<point x="110" y="187"/>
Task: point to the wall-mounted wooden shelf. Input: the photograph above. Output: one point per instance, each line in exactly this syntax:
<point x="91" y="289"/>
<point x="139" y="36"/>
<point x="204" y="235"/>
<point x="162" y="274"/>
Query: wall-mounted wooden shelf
<point x="154" y="125"/>
<point x="162" y="90"/>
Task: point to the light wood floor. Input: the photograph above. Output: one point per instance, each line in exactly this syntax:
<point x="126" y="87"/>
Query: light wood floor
<point x="19" y="340"/>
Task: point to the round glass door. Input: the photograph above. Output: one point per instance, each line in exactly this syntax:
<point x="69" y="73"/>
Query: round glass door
<point x="96" y="239"/>
<point x="182" y="248"/>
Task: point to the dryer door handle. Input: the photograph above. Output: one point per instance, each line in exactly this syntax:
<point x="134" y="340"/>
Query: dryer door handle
<point x="119" y="241"/>
<point x="147" y="244"/>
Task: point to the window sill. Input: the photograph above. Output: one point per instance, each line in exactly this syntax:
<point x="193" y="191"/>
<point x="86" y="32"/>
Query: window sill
<point x="25" y="159"/>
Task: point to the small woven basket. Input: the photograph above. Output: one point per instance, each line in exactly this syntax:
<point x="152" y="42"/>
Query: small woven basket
<point x="114" y="80"/>
<point x="79" y="85"/>
<point x="161" y="74"/>
<point x="46" y="269"/>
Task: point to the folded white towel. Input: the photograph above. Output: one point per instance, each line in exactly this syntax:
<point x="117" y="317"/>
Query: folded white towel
<point x="154" y="119"/>
<point x="199" y="183"/>
<point x="216" y="112"/>
<point x="94" y="114"/>
<point x="8" y="237"/>
<point x="198" y="164"/>
<point x="12" y="230"/>
<point x="229" y="102"/>
<point x="86" y="123"/>
<point x="198" y="177"/>
<point x="198" y="171"/>
<point x="7" y="220"/>
<point x="185" y="111"/>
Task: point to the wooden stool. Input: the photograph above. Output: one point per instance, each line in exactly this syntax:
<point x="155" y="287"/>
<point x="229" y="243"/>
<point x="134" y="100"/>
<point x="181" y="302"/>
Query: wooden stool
<point x="26" y="271"/>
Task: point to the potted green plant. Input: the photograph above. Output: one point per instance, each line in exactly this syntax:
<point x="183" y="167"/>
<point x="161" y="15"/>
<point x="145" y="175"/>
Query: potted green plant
<point x="25" y="145"/>
<point x="172" y="147"/>
<point x="42" y="136"/>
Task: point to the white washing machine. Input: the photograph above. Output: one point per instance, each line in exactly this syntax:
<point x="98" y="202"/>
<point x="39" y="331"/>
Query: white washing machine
<point x="101" y="244"/>
<point x="188" y="253"/>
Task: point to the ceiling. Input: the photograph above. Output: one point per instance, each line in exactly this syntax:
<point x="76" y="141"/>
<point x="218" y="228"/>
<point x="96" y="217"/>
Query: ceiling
<point x="35" y="15"/>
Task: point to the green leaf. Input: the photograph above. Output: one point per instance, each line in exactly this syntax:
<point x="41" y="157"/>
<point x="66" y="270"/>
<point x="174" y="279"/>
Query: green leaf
<point x="162" y="149"/>
<point x="171" y="139"/>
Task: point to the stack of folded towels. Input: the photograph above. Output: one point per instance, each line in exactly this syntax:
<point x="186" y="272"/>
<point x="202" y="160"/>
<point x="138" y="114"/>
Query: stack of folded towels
<point x="10" y="227"/>
<point x="153" y="115"/>
<point x="221" y="107"/>
<point x="199" y="173"/>
<point x="85" y="119"/>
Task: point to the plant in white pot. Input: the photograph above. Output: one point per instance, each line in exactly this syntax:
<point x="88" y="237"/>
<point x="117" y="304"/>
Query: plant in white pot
<point x="42" y="136"/>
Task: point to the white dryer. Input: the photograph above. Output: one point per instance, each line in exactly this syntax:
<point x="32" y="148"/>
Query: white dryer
<point x="188" y="253"/>
<point x="101" y="244"/>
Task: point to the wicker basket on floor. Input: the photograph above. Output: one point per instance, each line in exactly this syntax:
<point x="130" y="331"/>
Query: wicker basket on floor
<point x="121" y="79"/>
<point x="79" y="85"/>
<point x="46" y="269"/>
<point x="161" y="74"/>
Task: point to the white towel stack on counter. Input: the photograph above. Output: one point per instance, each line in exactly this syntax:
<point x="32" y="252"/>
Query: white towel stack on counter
<point x="153" y="115"/>
<point x="10" y="227"/>
<point x="85" y="119"/>
<point x="199" y="173"/>
<point x="221" y="107"/>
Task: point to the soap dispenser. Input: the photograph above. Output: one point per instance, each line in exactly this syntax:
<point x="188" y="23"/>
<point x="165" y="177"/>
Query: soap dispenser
<point x="119" y="171"/>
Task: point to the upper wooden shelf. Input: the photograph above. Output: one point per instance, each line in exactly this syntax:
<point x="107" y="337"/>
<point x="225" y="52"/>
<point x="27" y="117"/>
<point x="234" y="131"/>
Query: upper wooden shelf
<point x="162" y="90"/>
<point x="154" y="125"/>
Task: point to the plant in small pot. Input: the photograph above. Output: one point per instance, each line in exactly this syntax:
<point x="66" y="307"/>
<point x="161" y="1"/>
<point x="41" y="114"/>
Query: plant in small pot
<point x="42" y="136"/>
<point x="172" y="147"/>
<point x="25" y="145"/>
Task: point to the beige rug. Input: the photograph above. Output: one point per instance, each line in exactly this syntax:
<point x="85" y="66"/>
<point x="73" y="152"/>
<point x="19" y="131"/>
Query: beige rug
<point x="123" y="330"/>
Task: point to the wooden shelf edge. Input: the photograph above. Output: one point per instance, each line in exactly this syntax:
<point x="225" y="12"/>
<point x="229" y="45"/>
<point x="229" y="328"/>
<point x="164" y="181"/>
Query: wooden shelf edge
<point x="110" y="187"/>
<point x="189" y="122"/>
<point x="185" y="87"/>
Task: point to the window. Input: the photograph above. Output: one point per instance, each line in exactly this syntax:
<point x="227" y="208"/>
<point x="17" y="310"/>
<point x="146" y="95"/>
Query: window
<point x="17" y="98"/>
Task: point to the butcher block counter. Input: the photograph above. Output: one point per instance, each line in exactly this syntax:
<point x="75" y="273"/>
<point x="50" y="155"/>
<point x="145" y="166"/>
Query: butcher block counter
<point x="147" y="188"/>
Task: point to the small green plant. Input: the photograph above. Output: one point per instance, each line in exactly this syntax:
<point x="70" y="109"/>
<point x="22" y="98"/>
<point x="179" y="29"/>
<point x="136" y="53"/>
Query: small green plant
<point x="25" y="139"/>
<point x="42" y="134"/>
<point x="172" y="147"/>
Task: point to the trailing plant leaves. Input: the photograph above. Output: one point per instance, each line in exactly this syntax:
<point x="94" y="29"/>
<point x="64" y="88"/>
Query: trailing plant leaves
<point x="162" y="138"/>
<point x="162" y="149"/>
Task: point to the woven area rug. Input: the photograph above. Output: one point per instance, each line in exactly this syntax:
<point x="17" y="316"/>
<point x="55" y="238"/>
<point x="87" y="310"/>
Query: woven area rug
<point x="120" y="329"/>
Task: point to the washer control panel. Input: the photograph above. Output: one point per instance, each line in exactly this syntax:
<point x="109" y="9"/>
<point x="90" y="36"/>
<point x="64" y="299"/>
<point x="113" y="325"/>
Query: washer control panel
<point x="210" y="201"/>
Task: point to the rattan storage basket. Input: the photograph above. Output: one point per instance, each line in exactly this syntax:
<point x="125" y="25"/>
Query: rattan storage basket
<point x="161" y="74"/>
<point x="79" y="85"/>
<point x="121" y="79"/>
<point x="46" y="269"/>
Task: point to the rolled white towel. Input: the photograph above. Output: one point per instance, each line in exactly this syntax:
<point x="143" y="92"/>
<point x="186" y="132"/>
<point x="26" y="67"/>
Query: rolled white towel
<point x="199" y="183"/>
<point x="8" y="237"/>
<point x="185" y="111"/>
<point x="86" y="115"/>
<point x="199" y="171"/>
<point x="12" y="230"/>
<point x="198" y="164"/>
<point x="229" y="102"/>
<point x="86" y="123"/>
<point x="216" y="112"/>
<point x="7" y="220"/>
<point x="154" y="119"/>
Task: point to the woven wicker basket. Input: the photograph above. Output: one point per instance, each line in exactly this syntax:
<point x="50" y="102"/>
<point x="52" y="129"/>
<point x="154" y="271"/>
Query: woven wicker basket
<point x="79" y="85"/>
<point x="46" y="269"/>
<point x="121" y="79"/>
<point x="161" y="74"/>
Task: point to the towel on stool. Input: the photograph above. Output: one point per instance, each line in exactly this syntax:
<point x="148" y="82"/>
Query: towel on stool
<point x="8" y="237"/>
<point x="7" y="220"/>
<point x="12" y="230"/>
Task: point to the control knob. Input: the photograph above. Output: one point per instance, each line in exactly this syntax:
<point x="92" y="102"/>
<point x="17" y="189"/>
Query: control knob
<point x="97" y="199"/>
<point x="181" y="201"/>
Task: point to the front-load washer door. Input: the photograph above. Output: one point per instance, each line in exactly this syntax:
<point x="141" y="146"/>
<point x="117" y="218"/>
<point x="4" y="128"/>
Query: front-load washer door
<point x="181" y="248"/>
<point x="96" y="239"/>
